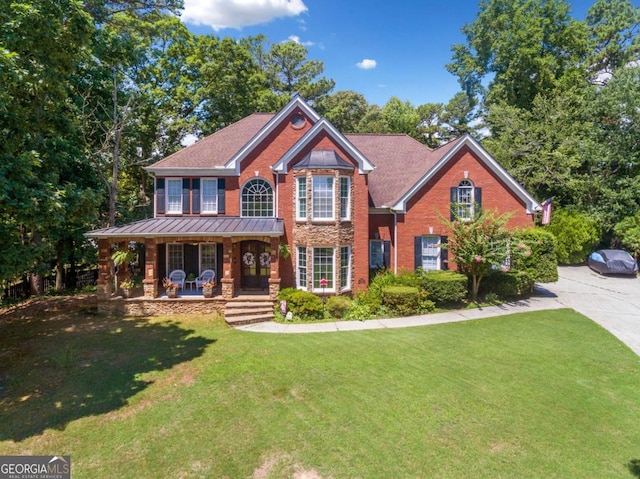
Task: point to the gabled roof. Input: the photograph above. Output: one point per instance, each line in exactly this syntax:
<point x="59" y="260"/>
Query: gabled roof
<point x="214" y="151"/>
<point x="446" y="153"/>
<point x="400" y="160"/>
<point x="323" y="125"/>
<point x="296" y="103"/>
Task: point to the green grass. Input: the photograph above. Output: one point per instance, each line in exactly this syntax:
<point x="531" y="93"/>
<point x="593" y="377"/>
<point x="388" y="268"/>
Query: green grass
<point x="536" y="395"/>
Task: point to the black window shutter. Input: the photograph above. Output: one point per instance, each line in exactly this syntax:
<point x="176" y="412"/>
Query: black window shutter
<point x="454" y="200"/>
<point x="186" y="190"/>
<point x="417" y="252"/>
<point x="195" y="196"/>
<point x="444" y="253"/>
<point x="160" y="198"/>
<point x="387" y="254"/>
<point x="477" y="197"/>
<point x="221" y="195"/>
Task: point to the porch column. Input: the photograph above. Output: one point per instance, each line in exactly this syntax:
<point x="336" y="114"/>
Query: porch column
<point x="274" y="276"/>
<point x="226" y="282"/>
<point x="150" y="281"/>
<point x="105" y="281"/>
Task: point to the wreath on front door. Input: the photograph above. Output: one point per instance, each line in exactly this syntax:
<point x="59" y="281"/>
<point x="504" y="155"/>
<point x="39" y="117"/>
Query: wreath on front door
<point x="249" y="258"/>
<point x="265" y="259"/>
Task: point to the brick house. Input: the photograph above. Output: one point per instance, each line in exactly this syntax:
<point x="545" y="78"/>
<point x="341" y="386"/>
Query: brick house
<point x="342" y="203"/>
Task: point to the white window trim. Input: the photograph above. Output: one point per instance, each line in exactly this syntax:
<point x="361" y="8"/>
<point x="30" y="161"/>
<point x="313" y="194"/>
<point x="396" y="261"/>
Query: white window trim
<point x="439" y="256"/>
<point x="313" y="268"/>
<point x="333" y="199"/>
<point x="202" y="208"/>
<point x="347" y="287"/>
<point x="273" y="200"/>
<point x="166" y="200"/>
<point x="304" y="287"/>
<point x="299" y="217"/>
<point x="468" y="207"/>
<point x="348" y="208"/>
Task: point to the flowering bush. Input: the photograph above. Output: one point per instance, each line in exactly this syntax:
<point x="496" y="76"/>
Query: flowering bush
<point x="168" y="284"/>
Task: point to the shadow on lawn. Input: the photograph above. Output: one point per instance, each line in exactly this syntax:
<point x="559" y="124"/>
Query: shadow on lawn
<point x="56" y="367"/>
<point x="634" y="467"/>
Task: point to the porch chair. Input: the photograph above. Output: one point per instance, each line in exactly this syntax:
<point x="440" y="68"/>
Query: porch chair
<point x="208" y="275"/>
<point x="177" y="276"/>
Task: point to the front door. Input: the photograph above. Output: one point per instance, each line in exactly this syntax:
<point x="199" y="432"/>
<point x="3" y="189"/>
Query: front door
<point x="256" y="264"/>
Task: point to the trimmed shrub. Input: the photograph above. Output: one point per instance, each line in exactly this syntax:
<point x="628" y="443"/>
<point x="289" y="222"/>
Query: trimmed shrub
<point x="507" y="284"/>
<point x="542" y="263"/>
<point x="444" y="286"/>
<point x="303" y="304"/>
<point x="362" y="307"/>
<point x="338" y="306"/>
<point x="402" y="300"/>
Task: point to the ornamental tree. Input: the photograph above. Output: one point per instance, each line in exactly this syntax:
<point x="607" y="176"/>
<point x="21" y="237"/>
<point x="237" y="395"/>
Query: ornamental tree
<point x="480" y="246"/>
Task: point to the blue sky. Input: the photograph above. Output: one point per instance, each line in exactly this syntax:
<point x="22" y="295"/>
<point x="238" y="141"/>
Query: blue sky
<point x="378" y="48"/>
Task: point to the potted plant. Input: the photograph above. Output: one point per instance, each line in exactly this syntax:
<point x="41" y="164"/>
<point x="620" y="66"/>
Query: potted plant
<point x="207" y="289"/>
<point x="170" y="287"/>
<point x="127" y="287"/>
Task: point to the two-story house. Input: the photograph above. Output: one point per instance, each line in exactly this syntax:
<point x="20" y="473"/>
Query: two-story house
<point x="341" y="203"/>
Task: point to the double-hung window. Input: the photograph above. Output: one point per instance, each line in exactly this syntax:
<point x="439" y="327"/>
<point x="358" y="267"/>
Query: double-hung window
<point x="345" y="268"/>
<point x="345" y="198"/>
<point x="301" y="275"/>
<point x="323" y="198"/>
<point x="464" y="200"/>
<point x="430" y="252"/>
<point x="209" y="195"/>
<point x="257" y="199"/>
<point x="207" y="256"/>
<point x="301" y="198"/>
<point x="174" y="195"/>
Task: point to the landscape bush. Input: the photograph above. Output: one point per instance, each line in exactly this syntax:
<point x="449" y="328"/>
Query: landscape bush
<point x="302" y="304"/>
<point x="576" y="235"/>
<point x="542" y="263"/>
<point x="507" y="284"/>
<point x="405" y="300"/>
<point x="444" y="286"/>
<point x="338" y="306"/>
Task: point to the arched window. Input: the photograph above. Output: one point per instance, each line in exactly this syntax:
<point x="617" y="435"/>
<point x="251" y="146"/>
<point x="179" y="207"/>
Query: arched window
<point x="257" y="198"/>
<point x="464" y="200"/>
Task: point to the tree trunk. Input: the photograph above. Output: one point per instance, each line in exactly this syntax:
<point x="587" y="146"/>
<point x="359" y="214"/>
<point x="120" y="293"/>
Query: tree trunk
<point x="60" y="265"/>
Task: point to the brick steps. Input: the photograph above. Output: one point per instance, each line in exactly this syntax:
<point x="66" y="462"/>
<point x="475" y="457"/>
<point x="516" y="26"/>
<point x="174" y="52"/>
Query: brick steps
<point x="241" y="311"/>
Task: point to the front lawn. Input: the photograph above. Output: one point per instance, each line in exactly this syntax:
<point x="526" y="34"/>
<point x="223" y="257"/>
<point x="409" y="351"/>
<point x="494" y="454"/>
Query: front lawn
<point x="545" y="394"/>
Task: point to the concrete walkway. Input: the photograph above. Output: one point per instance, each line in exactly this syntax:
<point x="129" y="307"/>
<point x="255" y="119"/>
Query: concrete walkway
<point x="612" y="302"/>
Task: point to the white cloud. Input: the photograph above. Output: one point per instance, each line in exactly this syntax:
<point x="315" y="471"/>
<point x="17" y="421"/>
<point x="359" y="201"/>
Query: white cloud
<point x="367" y="64"/>
<point x="220" y="14"/>
<point x="296" y="39"/>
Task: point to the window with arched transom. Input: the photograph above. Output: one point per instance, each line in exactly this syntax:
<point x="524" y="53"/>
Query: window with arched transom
<point x="257" y="199"/>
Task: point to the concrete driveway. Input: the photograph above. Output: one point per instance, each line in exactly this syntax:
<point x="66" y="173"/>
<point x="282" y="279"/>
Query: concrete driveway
<point x="611" y="301"/>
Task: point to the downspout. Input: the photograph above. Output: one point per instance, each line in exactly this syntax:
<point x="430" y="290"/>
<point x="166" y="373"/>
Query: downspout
<point x="395" y="242"/>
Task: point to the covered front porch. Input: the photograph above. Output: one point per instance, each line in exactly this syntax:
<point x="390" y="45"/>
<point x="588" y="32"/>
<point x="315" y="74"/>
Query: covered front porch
<point x="243" y="253"/>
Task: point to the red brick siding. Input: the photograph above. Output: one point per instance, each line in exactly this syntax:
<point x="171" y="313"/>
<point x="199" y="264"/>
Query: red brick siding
<point x="432" y="203"/>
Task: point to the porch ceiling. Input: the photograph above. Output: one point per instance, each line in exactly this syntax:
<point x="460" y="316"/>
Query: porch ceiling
<point x="193" y="226"/>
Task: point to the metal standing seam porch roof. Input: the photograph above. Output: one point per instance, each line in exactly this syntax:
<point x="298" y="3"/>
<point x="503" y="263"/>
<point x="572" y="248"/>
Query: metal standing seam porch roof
<point x="162" y="227"/>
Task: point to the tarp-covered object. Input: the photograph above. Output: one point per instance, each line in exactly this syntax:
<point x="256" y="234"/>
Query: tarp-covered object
<point x="612" y="261"/>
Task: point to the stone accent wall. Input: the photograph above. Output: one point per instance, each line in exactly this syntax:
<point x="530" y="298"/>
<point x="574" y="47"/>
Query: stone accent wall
<point x="161" y="306"/>
<point x="274" y="288"/>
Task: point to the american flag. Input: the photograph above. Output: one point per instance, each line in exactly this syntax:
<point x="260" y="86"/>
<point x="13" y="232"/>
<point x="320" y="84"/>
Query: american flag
<point x="547" y="206"/>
